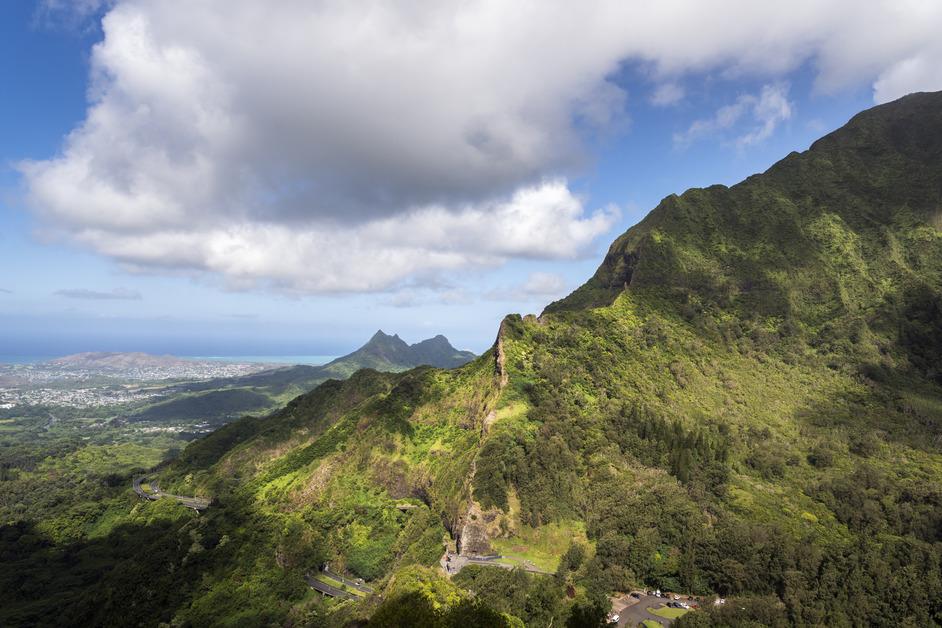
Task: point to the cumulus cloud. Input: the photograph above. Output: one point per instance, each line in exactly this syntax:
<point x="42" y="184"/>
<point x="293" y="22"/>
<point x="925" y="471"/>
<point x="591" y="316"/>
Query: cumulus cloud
<point x="328" y="146"/>
<point x="921" y="71"/>
<point x="117" y="294"/>
<point x="765" y="111"/>
<point x="541" y="222"/>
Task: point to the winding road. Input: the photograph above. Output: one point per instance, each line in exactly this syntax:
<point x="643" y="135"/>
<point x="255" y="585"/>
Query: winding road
<point x="196" y="503"/>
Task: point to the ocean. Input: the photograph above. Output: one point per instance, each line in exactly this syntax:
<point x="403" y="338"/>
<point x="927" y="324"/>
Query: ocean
<point x="313" y="360"/>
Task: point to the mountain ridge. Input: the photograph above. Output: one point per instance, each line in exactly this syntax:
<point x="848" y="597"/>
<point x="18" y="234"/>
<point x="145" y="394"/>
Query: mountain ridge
<point x="881" y="128"/>
<point x="389" y="353"/>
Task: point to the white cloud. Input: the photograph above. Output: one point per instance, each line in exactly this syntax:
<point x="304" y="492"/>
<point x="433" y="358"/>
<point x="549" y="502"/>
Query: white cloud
<point x="544" y="284"/>
<point x="277" y="143"/>
<point x="539" y="286"/>
<point x="770" y="109"/>
<point x="412" y="297"/>
<point x="116" y="294"/>
<point x="543" y="221"/>
<point x="763" y="113"/>
<point x="667" y="94"/>
<point x="920" y="72"/>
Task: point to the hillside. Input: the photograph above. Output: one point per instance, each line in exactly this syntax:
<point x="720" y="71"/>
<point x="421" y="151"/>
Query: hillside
<point x="744" y="401"/>
<point x="118" y="361"/>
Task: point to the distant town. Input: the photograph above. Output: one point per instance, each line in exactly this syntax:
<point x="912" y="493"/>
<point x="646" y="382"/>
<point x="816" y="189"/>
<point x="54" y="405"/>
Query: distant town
<point x="106" y="379"/>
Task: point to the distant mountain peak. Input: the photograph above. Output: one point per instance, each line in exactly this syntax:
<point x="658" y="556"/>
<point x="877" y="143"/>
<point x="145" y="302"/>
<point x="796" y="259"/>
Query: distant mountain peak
<point x="387" y="352"/>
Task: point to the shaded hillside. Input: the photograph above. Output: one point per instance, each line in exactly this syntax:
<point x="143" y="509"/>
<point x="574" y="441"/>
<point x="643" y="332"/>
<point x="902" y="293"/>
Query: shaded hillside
<point x="743" y="401"/>
<point x="213" y="406"/>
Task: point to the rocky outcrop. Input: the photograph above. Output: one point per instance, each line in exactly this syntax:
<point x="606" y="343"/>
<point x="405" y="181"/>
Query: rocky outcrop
<point x="499" y="356"/>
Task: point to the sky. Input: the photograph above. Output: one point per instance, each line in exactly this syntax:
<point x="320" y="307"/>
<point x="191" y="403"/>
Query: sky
<point x="233" y="177"/>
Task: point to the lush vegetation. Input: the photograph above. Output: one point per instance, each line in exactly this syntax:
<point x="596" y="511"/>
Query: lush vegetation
<point x="743" y="401"/>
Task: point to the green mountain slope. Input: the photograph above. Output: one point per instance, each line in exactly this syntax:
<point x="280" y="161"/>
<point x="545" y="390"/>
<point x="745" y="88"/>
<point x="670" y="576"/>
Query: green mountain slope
<point x="390" y="353"/>
<point x="744" y="400"/>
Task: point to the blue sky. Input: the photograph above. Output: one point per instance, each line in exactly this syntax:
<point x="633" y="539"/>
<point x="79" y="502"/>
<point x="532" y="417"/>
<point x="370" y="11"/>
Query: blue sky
<point x="280" y="259"/>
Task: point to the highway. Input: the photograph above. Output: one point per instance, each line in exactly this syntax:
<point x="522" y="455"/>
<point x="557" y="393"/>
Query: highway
<point x="196" y="503"/>
<point x="362" y="588"/>
<point x="326" y="589"/>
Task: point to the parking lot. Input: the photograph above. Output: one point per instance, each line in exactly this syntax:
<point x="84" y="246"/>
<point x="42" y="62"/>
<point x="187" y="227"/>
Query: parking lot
<point x="633" y="609"/>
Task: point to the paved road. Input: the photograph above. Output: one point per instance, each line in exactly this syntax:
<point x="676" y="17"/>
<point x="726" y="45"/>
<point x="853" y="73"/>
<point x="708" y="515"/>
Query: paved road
<point x="350" y="583"/>
<point x="196" y="503"/>
<point x="326" y="589"/>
